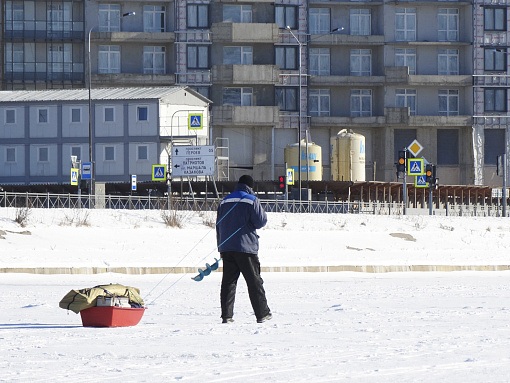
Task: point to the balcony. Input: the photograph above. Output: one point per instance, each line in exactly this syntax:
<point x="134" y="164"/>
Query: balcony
<point x="372" y="81"/>
<point x="441" y="121"/>
<point x="244" y="33"/>
<point x="245" y="115"/>
<point x="400" y="75"/>
<point x="345" y="2"/>
<point x="441" y="80"/>
<point x="135" y="79"/>
<point x="347" y="122"/>
<point x="245" y="74"/>
<point x="343" y="39"/>
<point x="244" y="1"/>
<point x="393" y="117"/>
<point x="134" y="37"/>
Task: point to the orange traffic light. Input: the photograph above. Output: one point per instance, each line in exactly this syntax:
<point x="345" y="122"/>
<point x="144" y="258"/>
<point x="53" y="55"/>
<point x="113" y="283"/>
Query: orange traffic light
<point x="402" y="161"/>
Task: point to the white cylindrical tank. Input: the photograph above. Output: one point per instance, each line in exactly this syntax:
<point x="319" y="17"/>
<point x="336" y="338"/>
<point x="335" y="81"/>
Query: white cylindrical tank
<point x="348" y="156"/>
<point x="311" y="160"/>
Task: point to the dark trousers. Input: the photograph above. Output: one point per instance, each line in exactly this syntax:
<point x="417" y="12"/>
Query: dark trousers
<point x="234" y="264"/>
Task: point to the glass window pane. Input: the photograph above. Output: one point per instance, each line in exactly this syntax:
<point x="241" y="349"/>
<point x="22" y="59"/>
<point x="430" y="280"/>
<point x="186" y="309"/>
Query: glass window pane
<point x="494" y="145"/>
<point x="142" y="152"/>
<point x="447" y="147"/>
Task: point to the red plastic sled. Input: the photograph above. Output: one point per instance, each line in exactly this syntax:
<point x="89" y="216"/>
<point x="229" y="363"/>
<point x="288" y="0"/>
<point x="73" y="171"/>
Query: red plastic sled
<point x="111" y="316"/>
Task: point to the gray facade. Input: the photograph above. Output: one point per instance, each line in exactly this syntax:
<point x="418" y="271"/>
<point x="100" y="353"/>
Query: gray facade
<point x="434" y="71"/>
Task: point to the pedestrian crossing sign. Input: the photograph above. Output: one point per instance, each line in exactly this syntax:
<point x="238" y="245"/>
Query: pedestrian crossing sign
<point x="415" y="166"/>
<point x="74" y="176"/>
<point x="421" y="182"/>
<point x="195" y="121"/>
<point x="158" y="172"/>
<point x="290" y="176"/>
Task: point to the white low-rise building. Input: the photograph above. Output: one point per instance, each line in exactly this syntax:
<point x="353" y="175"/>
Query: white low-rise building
<point x="132" y="129"/>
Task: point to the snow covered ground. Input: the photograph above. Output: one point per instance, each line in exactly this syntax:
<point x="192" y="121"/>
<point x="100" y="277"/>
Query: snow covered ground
<point x="327" y="327"/>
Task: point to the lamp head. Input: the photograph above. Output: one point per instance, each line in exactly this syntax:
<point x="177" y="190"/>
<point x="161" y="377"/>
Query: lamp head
<point x="287" y="27"/>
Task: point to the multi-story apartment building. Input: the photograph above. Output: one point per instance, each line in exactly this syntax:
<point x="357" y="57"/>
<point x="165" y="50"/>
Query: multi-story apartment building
<point x="277" y="71"/>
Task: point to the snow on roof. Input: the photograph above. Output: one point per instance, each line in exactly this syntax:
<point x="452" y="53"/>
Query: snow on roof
<point x="96" y="94"/>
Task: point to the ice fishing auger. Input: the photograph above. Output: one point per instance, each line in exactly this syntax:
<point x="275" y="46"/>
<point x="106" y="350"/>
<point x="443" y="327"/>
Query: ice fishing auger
<point x="208" y="270"/>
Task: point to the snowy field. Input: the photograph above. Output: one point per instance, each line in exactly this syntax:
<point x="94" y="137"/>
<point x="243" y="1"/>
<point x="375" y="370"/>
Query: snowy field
<point x="327" y="327"/>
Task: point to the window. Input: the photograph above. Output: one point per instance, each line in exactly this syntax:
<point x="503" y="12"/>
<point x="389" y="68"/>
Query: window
<point x="361" y="62"/>
<point x="495" y="100"/>
<point x="60" y="58"/>
<point x="76" y="151"/>
<point x="154" y="60"/>
<point x="286" y="16"/>
<point x="447" y="147"/>
<point x="198" y="57"/>
<point x="405" y="24"/>
<point x="361" y="102"/>
<point x="109" y="153"/>
<point x="494" y="19"/>
<point x="142" y="152"/>
<point x="319" y="21"/>
<point x="360" y="20"/>
<point x="448" y="24"/>
<point x="153" y="18"/>
<point x="286" y="57"/>
<point x="109" y="18"/>
<point x="10" y="116"/>
<point x="320" y="61"/>
<point x="287" y="98"/>
<point x="109" y="114"/>
<point x="238" y="55"/>
<point x="448" y="102"/>
<point x="203" y="90"/>
<point x="495" y="59"/>
<point x="237" y="13"/>
<point x="197" y="16"/>
<point x="109" y="59"/>
<point x="59" y="16"/>
<point x="142" y="113"/>
<point x="43" y="154"/>
<point x="494" y="145"/>
<point x="75" y="114"/>
<point x="238" y="96"/>
<point x="42" y="115"/>
<point x="448" y="61"/>
<point x="14" y="57"/>
<point x="318" y="102"/>
<point x="406" y="97"/>
<point x="10" y="155"/>
<point x="14" y="15"/>
<point x="406" y="57"/>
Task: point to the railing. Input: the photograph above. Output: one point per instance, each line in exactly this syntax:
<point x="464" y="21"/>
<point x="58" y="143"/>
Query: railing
<point x="74" y="201"/>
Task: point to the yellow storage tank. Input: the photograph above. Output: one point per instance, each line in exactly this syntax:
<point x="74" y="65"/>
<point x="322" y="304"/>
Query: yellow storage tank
<point x="348" y="156"/>
<point x="311" y="169"/>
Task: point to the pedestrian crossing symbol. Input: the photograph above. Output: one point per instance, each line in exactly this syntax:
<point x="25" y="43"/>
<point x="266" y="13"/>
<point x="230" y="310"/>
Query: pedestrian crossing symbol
<point x="195" y="121"/>
<point x="158" y="172"/>
<point x="290" y="176"/>
<point x="74" y="176"/>
<point x="420" y="182"/>
<point x="415" y="166"/>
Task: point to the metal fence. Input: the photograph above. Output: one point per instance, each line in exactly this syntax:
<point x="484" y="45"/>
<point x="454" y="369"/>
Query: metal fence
<point x="74" y="201"/>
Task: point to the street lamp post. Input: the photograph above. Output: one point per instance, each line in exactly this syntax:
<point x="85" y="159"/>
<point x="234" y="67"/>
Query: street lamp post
<point x="299" y="110"/>
<point x="91" y="130"/>
<point x="300" y="75"/>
